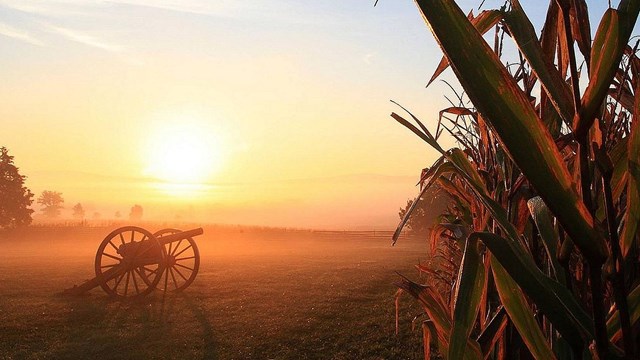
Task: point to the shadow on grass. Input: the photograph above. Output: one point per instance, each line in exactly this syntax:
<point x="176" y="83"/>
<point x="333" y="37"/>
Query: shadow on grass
<point x="175" y="326"/>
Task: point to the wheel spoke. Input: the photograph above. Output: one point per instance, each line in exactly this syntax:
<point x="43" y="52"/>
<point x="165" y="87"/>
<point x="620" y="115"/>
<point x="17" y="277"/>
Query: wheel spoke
<point x="126" y="284"/>
<point x="132" y="235"/>
<point x="179" y="273"/>
<point x="111" y="256"/>
<point x="185" y="258"/>
<point x="118" y="280"/>
<point x="183" y="250"/>
<point x="182" y="266"/>
<point x="121" y="238"/>
<point x="113" y="245"/>
<point x="143" y="277"/>
<point x="166" y="280"/>
<point x="135" y="283"/>
<point x="173" y="277"/>
<point x="108" y="266"/>
<point x="154" y="271"/>
<point x="177" y="246"/>
<point x="170" y="249"/>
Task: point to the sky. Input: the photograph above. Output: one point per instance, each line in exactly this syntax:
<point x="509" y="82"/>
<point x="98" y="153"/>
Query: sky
<point x="262" y="112"/>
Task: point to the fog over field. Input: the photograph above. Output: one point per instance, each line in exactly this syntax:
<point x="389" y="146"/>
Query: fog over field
<point x="260" y="293"/>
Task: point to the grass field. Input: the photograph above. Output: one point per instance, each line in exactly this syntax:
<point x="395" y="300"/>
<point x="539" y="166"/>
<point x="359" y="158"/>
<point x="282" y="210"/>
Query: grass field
<point x="259" y="295"/>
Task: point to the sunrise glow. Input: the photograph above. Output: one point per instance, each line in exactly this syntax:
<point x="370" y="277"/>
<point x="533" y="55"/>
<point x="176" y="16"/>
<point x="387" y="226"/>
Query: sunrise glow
<point x="183" y="151"/>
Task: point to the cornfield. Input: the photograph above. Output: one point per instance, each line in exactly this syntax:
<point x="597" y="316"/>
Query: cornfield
<point x="539" y="246"/>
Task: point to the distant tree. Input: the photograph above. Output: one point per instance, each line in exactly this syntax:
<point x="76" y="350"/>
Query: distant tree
<point x="136" y="212"/>
<point x="118" y="215"/>
<point x="52" y="203"/>
<point x="96" y="215"/>
<point x="78" y="211"/>
<point x="432" y="204"/>
<point x="15" y="198"/>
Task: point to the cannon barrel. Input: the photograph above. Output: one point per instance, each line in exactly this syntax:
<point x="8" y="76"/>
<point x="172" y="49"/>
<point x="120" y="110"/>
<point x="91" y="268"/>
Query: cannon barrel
<point x="165" y="239"/>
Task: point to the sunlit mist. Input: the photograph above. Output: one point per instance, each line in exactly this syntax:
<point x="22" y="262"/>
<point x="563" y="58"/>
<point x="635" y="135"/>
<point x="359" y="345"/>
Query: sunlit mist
<point x="183" y="151"/>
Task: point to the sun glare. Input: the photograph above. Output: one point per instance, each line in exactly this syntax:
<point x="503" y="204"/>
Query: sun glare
<point x="183" y="152"/>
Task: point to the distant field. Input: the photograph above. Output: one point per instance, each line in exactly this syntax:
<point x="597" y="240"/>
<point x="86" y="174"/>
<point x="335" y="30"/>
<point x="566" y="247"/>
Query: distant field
<point x="259" y="295"/>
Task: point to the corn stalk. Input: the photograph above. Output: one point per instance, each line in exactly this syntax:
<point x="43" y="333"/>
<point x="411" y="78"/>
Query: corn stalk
<point x="544" y="185"/>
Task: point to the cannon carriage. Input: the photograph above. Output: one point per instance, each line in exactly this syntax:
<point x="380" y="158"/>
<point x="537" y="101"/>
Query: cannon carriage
<point x="132" y="262"/>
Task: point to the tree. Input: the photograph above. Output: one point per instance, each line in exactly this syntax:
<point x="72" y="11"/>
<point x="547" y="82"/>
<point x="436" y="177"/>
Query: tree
<point x="136" y="212"/>
<point x="78" y="211"/>
<point x="15" y="198"/>
<point x="423" y="217"/>
<point x="118" y="215"/>
<point x="52" y="203"/>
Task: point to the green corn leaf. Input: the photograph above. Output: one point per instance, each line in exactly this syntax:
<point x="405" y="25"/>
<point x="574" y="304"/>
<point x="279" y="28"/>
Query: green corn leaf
<point x="632" y="214"/>
<point x="483" y="22"/>
<point x="493" y="331"/>
<point x="542" y="218"/>
<point x="613" y="323"/>
<point x="553" y="299"/>
<point x="520" y="314"/>
<point x="467" y="296"/>
<point x="439" y="315"/>
<point x="503" y="104"/>
<point x="606" y="53"/>
<point x="608" y="47"/>
<point x="525" y="37"/>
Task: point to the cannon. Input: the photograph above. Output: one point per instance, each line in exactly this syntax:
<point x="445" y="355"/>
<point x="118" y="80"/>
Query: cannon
<point x="132" y="262"/>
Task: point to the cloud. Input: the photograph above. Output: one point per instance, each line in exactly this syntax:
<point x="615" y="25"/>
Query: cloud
<point x="18" y="34"/>
<point x="84" y="39"/>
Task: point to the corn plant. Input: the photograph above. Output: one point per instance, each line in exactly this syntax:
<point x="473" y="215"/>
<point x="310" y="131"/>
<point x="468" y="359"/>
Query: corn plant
<point x="544" y="183"/>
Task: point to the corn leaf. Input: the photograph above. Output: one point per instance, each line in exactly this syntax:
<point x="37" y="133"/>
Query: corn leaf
<point x="439" y="315"/>
<point x="520" y="313"/>
<point x="502" y="103"/>
<point x="483" y="22"/>
<point x="606" y="53"/>
<point x="614" y="330"/>
<point x="542" y="217"/>
<point x="553" y="299"/>
<point x="524" y="35"/>
<point x="493" y="331"/>
<point x="467" y="296"/>
<point x="632" y="214"/>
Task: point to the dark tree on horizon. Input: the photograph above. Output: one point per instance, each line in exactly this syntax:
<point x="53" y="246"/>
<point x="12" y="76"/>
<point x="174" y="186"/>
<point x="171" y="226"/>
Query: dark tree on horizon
<point x="52" y="203"/>
<point x="136" y="212"/>
<point x="430" y="206"/>
<point x="78" y="211"/>
<point x="15" y="198"/>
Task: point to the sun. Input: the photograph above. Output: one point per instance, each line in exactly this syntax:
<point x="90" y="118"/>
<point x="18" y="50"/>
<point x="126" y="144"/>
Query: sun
<point x="183" y="152"/>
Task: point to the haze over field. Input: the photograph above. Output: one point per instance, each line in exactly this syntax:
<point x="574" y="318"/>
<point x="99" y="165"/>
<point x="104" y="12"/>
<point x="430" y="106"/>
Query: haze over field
<point x="252" y="112"/>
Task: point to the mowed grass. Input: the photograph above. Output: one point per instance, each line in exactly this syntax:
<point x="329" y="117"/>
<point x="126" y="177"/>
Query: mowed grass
<point x="258" y="295"/>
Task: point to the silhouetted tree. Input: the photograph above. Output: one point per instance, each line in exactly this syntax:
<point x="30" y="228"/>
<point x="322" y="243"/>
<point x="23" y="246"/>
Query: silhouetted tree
<point x="78" y="211"/>
<point x="15" y="198"/>
<point x="432" y="204"/>
<point x="136" y="212"/>
<point x="52" y="203"/>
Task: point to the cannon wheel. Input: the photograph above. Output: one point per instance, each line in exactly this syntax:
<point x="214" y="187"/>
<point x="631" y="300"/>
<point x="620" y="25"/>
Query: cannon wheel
<point x="182" y="262"/>
<point x="130" y="280"/>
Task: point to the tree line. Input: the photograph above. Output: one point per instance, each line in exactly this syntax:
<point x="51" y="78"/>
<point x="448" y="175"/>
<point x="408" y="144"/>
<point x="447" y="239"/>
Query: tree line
<point x="16" y="199"/>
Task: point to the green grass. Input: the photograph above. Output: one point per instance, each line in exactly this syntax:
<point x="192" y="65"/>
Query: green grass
<point x="259" y="295"/>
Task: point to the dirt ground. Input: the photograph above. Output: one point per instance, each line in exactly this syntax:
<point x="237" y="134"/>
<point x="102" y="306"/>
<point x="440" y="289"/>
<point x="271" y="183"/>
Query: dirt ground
<point x="260" y="294"/>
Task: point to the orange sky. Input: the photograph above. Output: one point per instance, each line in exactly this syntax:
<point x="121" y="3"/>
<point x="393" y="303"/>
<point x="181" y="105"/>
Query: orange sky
<point x="243" y="112"/>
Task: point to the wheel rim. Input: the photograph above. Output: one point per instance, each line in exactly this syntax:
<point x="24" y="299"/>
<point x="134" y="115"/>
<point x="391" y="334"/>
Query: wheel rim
<point x="182" y="262"/>
<point x="127" y="268"/>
